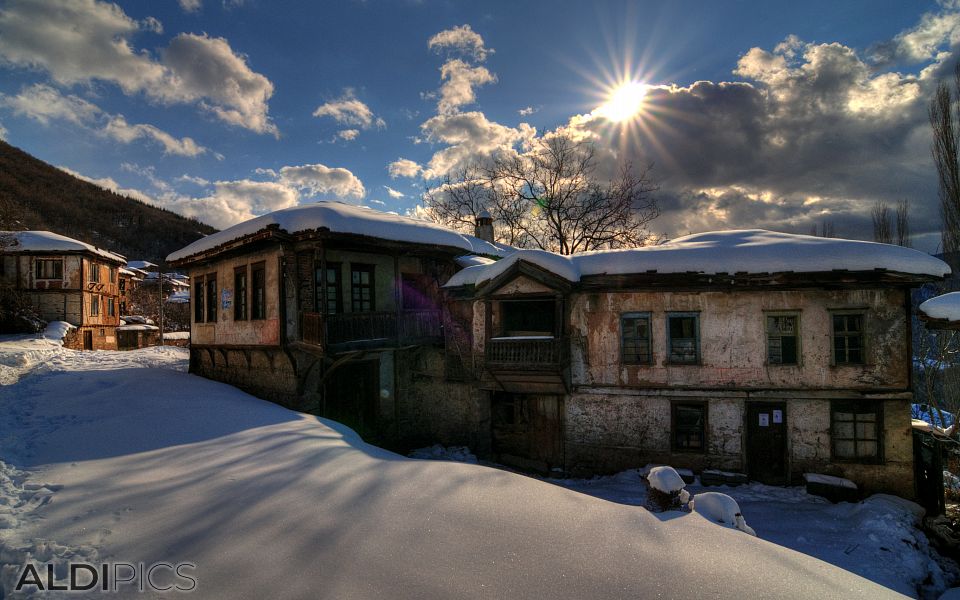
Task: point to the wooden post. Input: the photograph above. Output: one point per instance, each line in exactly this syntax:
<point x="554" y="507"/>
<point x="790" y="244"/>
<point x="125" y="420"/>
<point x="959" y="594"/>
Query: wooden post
<point x="398" y="295"/>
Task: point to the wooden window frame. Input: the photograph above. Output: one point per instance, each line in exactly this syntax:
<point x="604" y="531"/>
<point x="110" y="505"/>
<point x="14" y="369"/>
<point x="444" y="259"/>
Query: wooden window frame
<point x="38" y="269"/>
<point x="862" y="313"/>
<point x="766" y="330"/>
<point x="628" y="316"/>
<point x="211" y="299"/>
<point x="111" y="307"/>
<point x="702" y="405"/>
<point x="258" y="306"/>
<point x="240" y="305"/>
<point x="876" y="406"/>
<point x="199" y="304"/>
<point x="94" y="272"/>
<point x="372" y="286"/>
<point x="94" y="305"/>
<point x="112" y="273"/>
<point x="322" y="305"/>
<point x="698" y="354"/>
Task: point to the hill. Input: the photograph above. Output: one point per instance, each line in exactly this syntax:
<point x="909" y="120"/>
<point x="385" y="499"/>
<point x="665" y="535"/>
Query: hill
<point x="36" y="195"/>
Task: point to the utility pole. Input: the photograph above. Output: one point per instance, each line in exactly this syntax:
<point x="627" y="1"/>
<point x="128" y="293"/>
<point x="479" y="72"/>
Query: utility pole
<point x="160" y="287"/>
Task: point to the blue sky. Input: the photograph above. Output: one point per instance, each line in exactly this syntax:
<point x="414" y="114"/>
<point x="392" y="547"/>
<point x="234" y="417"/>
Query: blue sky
<point x="223" y="109"/>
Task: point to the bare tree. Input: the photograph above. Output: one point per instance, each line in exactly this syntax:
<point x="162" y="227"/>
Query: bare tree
<point x="882" y="229"/>
<point x="903" y="224"/>
<point x="552" y="198"/>
<point x="945" y="149"/>
<point x="825" y="229"/>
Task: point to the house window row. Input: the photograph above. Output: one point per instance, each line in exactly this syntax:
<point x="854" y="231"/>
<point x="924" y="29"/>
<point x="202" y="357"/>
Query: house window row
<point x="48" y="268"/>
<point x="362" y="288"/>
<point x="782" y="333"/>
<point x="249" y="294"/>
<point x="855" y="428"/>
<point x="95" y="306"/>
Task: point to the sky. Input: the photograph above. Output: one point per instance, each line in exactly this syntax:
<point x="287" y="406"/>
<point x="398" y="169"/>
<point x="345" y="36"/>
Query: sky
<point x="775" y="115"/>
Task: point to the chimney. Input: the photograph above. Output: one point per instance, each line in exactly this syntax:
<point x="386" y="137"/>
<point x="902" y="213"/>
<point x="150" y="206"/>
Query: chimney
<point x="484" y="226"/>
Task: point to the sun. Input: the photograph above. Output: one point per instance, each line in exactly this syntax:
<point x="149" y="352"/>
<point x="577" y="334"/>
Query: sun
<point x="625" y="101"/>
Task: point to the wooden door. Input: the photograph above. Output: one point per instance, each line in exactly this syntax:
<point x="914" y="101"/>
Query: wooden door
<point x="767" y="442"/>
<point x="88" y="339"/>
<point x="527" y="430"/>
<point x="351" y="396"/>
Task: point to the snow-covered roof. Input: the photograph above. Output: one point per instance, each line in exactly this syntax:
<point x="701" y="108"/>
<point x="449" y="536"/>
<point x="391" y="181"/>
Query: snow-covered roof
<point x="345" y="218"/>
<point x="751" y="251"/>
<point x="137" y="327"/>
<point x="472" y="260"/>
<point x="142" y="265"/>
<point x="181" y="297"/>
<point x="945" y="307"/>
<point x="47" y="241"/>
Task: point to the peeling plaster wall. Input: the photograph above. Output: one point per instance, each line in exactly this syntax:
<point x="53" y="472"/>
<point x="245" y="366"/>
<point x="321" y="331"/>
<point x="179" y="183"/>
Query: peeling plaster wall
<point x="733" y="339"/>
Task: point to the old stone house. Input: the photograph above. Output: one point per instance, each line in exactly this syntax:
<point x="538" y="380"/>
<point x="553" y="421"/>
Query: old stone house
<point x="66" y="280"/>
<point x="751" y="351"/>
<point x="326" y="308"/>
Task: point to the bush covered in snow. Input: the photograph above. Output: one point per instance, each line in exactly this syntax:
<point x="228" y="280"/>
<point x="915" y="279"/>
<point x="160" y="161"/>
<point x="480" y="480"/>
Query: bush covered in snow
<point x="666" y="489"/>
<point x="720" y="508"/>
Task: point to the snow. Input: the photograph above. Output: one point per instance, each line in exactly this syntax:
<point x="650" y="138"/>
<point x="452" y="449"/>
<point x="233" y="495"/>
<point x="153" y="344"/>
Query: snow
<point x="141" y="265"/>
<point x="665" y="479"/>
<point x="471" y="260"/>
<point x="878" y="538"/>
<point x="181" y="297"/>
<point x="138" y="327"/>
<point x="721" y="508"/>
<point x="344" y="218"/>
<point x="829" y="480"/>
<point x="751" y="251"/>
<point x="123" y="456"/>
<point x="47" y="241"/>
<point x="177" y="335"/>
<point x="945" y="307"/>
<point x="927" y="412"/>
<point x="452" y="453"/>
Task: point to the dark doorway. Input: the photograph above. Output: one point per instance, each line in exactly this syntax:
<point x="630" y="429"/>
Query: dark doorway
<point x="88" y="339"/>
<point x="351" y="397"/>
<point x="767" y="442"/>
<point x="527" y="431"/>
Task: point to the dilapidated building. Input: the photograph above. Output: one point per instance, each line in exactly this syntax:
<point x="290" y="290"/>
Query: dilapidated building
<point x="66" y="280"/>
<point x="325" y="308"/>
<point x="751" y="351"/>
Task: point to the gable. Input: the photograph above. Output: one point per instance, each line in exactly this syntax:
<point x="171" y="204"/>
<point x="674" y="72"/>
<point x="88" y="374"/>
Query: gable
<point x="521" y="284"/>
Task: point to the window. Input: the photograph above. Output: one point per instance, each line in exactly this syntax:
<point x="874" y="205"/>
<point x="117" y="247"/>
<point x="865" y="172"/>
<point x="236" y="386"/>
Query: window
<point x="855" y="427"/>
<point x="635" y="339"/>
<point x="94" y="306"/>
<point x="362" y="288"/>
<point x="49" y="268"/>
<point x="111" y="307"/>
<point x="689" y="426"/>
<point x="198" y="311"/>
<point x="94" y="272"/>
<point x="112" y="274"/>
<point x="848" y="339"/>
<point x="259" y="304"/>
<point x="528" y="317"/>
<point x="333" y="302"/>
<point x="683" y="334"/>
<point x="783" y="341"/>
<point x="122" y="286"/>
<point x="240" y="293"/>
<point x="212" y="298"/>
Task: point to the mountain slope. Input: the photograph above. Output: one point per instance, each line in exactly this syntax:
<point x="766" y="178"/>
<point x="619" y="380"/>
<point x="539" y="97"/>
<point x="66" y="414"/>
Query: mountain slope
<point x="36" y="195"/>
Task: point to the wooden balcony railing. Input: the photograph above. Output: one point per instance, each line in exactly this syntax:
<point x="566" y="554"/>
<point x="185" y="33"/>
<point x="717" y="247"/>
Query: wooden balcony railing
<point x="526" y="353"/>
<point x="412" y="326"/>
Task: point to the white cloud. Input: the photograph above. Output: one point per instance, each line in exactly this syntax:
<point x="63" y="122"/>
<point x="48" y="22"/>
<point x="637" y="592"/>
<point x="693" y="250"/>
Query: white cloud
<point x="3" y="132"/>
<point x="320" y="179"/>
<point x="470" y="137"/>
<point x="348" y="134"/>
<point x="108" y="183"/>
<point x="459" y="81"/>
<point x="404" y="167"/>
<point x="190" y="5"/>
<point x="461" y="39"/>
<point x="348" y="110"/>
<point x="196" y="180"/>
<point x="527" y="111"/>
<point x="80" y="41"/>
<point x="152" y="25"/>
<point x="44" y="104"/>
<point x="393" y="193"/>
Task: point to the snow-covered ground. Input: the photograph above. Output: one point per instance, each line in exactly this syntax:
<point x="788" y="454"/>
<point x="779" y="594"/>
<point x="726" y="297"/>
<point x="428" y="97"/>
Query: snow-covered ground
<point x="877" y="539"/>
<point x="123" y="456"/>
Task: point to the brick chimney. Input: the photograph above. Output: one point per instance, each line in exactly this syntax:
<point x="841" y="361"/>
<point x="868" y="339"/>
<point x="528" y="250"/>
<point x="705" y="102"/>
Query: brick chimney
<point x="483" y="228"/>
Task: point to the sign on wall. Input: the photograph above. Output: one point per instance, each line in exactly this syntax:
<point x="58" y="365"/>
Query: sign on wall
<point x="226" y="299"/>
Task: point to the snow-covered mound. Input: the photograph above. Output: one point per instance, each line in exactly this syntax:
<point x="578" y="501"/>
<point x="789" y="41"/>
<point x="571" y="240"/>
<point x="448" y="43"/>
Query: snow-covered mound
<point x="945" y="307"/>
<point x="344" y="218"/>
<point x="665" y="479"/>
<point x="452" y="453"/>
<point x="152" y="465"/>
<point x="720" y="508"/>
<point x="751" y="251"/>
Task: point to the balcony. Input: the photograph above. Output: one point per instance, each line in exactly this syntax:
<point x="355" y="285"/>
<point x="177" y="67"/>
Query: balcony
<point x="371" y="328"/>
<point x="527" y="353"/>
